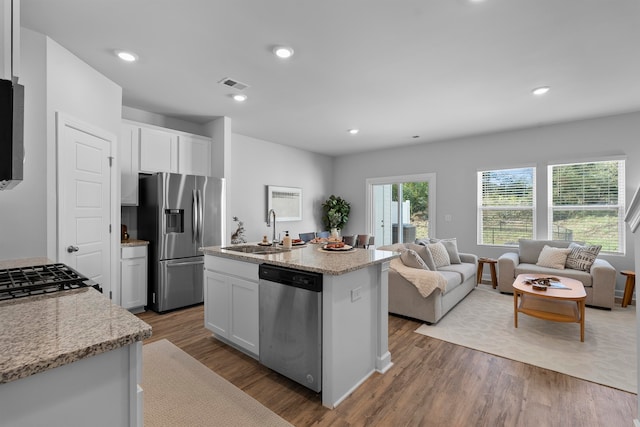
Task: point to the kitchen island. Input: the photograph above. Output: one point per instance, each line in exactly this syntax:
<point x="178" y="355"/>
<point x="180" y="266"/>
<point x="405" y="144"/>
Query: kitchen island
<point x="69" y="358"/>
<point x="354" y="308"/>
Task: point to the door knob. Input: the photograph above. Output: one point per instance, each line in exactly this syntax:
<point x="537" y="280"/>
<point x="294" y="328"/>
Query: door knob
<point x="72" y="249"/>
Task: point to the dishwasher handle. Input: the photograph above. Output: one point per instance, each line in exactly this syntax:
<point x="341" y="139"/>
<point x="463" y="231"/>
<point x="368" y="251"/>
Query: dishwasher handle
<point x="288" y="276"/>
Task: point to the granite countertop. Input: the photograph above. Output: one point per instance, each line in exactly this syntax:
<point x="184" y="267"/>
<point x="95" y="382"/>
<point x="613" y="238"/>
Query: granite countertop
<point x="43" y="332"/>
<point x="133" y="242"/>
<point x="310" y="257"/>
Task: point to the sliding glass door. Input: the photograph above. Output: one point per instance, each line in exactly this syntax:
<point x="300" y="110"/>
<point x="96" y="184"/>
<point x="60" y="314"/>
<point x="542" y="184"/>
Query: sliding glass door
<point x="400" y="208"/>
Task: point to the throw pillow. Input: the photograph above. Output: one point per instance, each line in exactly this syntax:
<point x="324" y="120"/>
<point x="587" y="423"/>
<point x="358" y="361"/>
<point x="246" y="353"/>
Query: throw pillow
<point x="553" y="257"/>
<point x="582" y="257"/>
<point x="424" y="253"/>
<point x="440" y="254"/>
<point x="452" y="249"/>
<point x="412" y="259"/>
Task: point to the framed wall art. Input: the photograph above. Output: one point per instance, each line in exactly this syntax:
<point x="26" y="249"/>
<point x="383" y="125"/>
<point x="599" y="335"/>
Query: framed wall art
<point x="286" y="202"/>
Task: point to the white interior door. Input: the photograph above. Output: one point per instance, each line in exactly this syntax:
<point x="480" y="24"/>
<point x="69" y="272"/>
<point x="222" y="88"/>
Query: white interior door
<point x="84" y="200"/>
<point x="382" y="214"/>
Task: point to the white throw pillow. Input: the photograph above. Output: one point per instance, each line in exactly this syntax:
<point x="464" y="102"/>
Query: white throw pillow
<point x="440" y="254"/>
<point x="553" y="257"/>
<point x="411" y="259"/>
<point x="452" y="249"/>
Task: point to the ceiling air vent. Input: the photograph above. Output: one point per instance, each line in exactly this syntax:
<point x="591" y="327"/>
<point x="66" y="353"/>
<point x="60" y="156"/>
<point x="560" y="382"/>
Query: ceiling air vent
<point x="233" y="83"/>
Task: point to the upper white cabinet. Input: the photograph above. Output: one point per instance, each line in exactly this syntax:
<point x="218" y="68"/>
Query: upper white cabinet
<point x="9" y="39"/>
<point x="129" y="160"/>
<point x="150" y="149"/>
<point x="194" y="155"/>
<point x="158" y="150"/>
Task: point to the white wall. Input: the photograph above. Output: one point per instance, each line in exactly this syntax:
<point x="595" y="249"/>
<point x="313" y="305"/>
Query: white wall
<point x="254" y="165"/>
<point x="76" y="89"/>
<point x="456" y="163"/>
<point x="23" y="220"/>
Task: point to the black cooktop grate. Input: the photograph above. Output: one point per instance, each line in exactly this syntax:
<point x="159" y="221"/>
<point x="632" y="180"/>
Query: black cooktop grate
<point x="39" y="280"/>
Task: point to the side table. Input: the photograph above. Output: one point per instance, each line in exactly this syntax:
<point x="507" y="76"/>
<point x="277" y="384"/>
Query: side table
<point x="629" y="285"/>
<point x="492" y="263"/>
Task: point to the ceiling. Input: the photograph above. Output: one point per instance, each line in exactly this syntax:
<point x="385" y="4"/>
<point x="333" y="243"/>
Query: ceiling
<point x="403" y="72"/>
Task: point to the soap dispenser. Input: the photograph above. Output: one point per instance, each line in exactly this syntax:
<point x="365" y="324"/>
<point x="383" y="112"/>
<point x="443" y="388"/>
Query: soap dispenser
<point x="286" y="240"/>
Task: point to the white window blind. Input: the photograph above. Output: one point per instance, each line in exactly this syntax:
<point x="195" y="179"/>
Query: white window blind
<point x="506" y="206"/>
<point x="586" y="203"/>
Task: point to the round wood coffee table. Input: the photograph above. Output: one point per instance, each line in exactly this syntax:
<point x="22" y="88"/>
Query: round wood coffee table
<point x="558" y="305"/>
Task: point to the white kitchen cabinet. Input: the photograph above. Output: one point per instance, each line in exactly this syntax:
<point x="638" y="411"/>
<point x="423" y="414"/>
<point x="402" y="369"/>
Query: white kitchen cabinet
<point x="194" y="155"/>
<point x="133" y="277"/>
<point x="150" y="149"/>
<point x="158" y="150"/>
<point x="231" y="302"/>
<point x="129" y="164"/>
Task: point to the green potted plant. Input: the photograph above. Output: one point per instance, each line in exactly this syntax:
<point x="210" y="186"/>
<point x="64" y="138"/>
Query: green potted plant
<point x="335" y="214"/>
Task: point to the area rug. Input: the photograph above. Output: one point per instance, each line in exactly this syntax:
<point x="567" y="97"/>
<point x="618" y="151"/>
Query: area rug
<point x="484" y="321"/>
<point x="180" y="391"/>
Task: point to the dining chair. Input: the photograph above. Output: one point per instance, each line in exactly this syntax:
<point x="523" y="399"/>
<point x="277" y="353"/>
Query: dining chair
<point x="362" y="241"/>
<point x="305" y="237"/>
<point x="349" y="240"/>
<point x="322" y="234"/>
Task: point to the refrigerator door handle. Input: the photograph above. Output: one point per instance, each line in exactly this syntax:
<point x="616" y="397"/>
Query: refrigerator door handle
<point x="200" y="215"/>
<point x="182" y="264"/>
<point x="194" y="216"/>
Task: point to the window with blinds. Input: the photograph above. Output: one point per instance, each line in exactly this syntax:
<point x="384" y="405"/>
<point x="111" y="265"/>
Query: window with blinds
<point x="506" y="206"/>
<point x="586" y="203"/>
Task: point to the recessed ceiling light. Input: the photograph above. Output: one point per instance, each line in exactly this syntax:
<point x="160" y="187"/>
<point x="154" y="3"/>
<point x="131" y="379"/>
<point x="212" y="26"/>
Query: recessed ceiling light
<point x="240" y="97"/>
<point x="540" y="90"/>
<point x="127" y="56"/>
<point x="283" y="52"/>
<point x="354" y="131"/>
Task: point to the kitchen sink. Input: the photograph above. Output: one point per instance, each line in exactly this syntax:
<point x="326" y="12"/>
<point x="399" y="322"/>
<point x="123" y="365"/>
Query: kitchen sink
<point x="257" y="250"/>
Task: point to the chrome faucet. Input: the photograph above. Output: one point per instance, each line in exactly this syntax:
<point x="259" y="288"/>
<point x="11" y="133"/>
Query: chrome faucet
<point x="271" y="211"/>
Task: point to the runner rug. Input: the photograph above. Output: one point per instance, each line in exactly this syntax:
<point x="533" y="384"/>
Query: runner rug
<point x="180" y="391"/>
<point x="484" y="321"/>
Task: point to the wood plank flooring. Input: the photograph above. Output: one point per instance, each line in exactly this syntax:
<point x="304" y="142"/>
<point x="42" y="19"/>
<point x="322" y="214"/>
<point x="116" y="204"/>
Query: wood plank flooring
<point x="432" y="383"/>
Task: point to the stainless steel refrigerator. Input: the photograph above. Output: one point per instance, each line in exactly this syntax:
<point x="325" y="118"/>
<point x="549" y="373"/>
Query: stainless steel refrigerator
<point x="178" y="214"/>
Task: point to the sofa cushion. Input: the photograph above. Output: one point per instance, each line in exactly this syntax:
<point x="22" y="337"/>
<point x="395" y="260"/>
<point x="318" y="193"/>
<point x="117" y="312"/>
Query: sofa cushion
<point x="529" y="250"/>
<point x="553" y="257"/>
<point x="440" y="254"/>
<point x="424" y="253"/>
<point x="582" y="276"/>
<point x="465" y="270"/>
<point x="451" y="245"/>
<point x="582" y="257"/>
<point x="411" y="259"/>
<point x="453" y="278"/>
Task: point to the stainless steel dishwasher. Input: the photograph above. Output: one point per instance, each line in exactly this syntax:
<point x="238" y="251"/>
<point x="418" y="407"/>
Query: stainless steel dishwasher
<point x="291" y="323"/>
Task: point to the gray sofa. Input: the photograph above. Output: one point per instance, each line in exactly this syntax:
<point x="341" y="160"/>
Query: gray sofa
<point x="406" y="300"/>
<point x="599" y="282"/>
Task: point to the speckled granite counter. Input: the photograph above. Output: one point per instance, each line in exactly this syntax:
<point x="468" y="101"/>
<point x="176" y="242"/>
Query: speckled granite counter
<point x="133" y="242"/>
<point x="310" y="258"/>
<point x="43" y="332"/>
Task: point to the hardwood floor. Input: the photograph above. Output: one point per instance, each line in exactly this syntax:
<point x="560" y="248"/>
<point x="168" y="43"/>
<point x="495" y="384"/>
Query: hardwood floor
<point x="432" y="383"/>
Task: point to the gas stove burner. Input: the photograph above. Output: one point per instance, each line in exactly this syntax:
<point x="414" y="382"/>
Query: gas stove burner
<point x="40" y="280"/>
